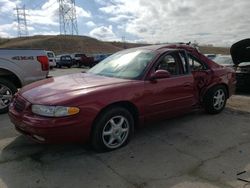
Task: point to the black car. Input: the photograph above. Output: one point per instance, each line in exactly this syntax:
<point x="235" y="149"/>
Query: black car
<point x="240" y="52"/>
<point x="64" y="61"/>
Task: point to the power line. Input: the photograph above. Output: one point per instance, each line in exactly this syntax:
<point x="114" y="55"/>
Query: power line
<point x="67" y="17"/>
<point x="21" y="21"/>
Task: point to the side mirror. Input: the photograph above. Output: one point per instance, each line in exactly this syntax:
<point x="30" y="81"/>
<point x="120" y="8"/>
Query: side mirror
<point x="159" y="74"/>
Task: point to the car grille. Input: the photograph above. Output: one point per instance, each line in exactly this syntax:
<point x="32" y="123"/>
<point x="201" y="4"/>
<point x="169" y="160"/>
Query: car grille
<point x="19" y="104"/>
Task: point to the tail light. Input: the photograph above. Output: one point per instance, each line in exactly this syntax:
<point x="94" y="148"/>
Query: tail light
<point x="44" y="60"/>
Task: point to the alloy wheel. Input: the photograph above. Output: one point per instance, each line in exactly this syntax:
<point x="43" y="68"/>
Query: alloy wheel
<point x="5" y="96"/>
<point x="115" y="132"/>
<point x="219" y="99"/>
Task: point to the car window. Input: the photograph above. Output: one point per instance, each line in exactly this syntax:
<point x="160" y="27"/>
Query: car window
<point x="50" y="55"/>
<point x="78" y="55"/>
<point x="129" y="64"/>
<point x="171" y="63"/>
<point x="195" y="64"/>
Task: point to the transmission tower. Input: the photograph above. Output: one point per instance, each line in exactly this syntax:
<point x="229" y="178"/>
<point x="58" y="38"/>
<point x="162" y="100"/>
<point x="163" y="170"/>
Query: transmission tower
<point x="67" y="17"/>
<point x="21" y="21"/>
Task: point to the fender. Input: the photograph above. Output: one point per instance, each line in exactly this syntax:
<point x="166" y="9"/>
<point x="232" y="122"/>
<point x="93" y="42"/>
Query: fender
<point x="13" y="68"/>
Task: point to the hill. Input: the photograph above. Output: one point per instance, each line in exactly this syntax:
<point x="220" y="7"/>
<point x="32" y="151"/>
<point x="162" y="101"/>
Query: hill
<point x="69" y="44"/>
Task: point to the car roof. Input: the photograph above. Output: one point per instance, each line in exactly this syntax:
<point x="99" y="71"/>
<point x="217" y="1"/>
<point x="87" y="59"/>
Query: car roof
<point x="164" y="47"/>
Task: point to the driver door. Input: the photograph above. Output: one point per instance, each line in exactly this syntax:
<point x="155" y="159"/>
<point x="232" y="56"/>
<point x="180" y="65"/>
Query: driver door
<point x="171" y="96"/>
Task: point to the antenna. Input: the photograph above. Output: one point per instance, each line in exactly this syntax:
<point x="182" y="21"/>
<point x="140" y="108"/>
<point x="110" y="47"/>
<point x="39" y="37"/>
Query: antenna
<point x="67" y="17"/>
<point x="21" y="21"/>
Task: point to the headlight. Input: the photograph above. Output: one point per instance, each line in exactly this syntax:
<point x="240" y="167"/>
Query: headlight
<point x="54" y="111"/>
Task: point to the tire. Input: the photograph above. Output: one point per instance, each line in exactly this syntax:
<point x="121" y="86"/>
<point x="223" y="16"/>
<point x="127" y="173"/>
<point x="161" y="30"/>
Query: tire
<point x="215" y="100"/>
<point x="69" y="66"/>
<point x="106" y="128"/>
<point x="7" y="90"/>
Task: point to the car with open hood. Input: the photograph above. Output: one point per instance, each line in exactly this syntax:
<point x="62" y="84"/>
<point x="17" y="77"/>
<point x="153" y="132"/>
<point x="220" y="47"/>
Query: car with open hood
<point x="126" y="90"/>
<point x="240" y="52"/>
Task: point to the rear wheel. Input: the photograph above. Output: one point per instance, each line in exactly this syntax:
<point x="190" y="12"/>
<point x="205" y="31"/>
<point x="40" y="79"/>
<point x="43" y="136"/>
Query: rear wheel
<point x="7" y="90"/>
<point x="113" y="129"/>
<point x="215" y="100"/>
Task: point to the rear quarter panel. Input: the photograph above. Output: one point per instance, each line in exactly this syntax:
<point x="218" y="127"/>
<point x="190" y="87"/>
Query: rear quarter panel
<point x="223" y="76"/>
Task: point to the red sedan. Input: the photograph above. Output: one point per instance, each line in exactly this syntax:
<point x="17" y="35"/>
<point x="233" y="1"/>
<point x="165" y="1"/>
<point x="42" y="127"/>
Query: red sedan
<point x="125" y="90"/>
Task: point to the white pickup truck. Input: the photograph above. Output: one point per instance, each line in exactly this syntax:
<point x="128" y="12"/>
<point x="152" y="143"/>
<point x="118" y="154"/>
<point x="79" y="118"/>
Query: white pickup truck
<point x="18" y="68"/>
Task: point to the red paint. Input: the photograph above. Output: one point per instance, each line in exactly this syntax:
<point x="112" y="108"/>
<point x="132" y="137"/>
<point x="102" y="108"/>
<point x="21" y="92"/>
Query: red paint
<point x="153" y="100"/>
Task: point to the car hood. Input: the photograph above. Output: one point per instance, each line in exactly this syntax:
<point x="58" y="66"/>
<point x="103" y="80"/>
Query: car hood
<point x="64" y="88"/>
<point x="240" y="51"/>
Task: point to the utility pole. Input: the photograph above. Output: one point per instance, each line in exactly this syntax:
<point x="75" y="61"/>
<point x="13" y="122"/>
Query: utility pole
<point x="21" y="21"/>
<point x="124" y="41"/>
<point x="67" y="17"/>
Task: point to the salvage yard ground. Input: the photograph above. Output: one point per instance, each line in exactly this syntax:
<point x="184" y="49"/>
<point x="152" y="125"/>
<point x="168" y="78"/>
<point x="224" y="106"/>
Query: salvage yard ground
<point x="196" y="150"/>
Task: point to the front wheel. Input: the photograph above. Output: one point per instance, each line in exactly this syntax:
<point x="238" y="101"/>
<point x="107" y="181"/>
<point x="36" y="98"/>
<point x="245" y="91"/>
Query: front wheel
<point x="7" y="90"/>
<point x="113" y="129"/>
<point x="215" y="100"/>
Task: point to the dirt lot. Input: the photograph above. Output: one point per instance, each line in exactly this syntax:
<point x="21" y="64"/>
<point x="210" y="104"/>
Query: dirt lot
<point x="196" y="150"/>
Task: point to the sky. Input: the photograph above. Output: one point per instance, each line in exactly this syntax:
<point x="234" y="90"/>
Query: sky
<point x="216" y="22"/>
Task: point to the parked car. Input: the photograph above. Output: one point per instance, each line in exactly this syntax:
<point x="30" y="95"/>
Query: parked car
<point x="99" y="57"/>
<point x="19" y="68"/>
<point x="86" y="61"/>
<point x="64" y="61"/>
<point x="240" y="52"/>
<point x="52" y="59"/>
<point x="77" y="58"/>
<point x="224" y="60"/>
<point x="210" y="56"/>
<point x="125" y="90"/>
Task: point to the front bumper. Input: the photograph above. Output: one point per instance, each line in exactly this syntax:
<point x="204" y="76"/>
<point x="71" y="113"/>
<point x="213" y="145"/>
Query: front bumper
<point x="49" y="130"/>
<point x="243" y="80"/>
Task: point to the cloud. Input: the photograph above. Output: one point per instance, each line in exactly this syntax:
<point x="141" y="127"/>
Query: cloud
<point x="103" y="33"/>
<point x="46" y="33"/>
<point x="7" y="6"/>
<point x="101" y="2"/>
<point x="5" y="35"/>
<point x="5" y="28"/>
<point x="90" y="24"/>
<point x="155" y="21"/>
<point x="48" y="14"/>
<point x="80" y="12"/>
<point x="120" y="18"/>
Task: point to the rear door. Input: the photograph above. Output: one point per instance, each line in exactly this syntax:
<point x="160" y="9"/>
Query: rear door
<point x="201" y="73"/>
<point x="170" y="96"/>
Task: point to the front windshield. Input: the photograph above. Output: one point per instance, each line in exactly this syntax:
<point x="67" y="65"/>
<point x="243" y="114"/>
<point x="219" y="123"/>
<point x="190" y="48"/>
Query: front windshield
<point x="128" y="64"/>
<point x="223" y="60"/>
